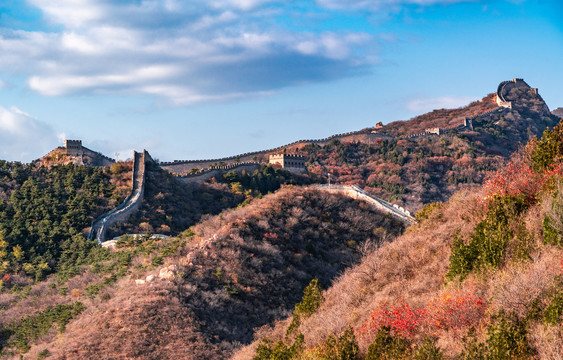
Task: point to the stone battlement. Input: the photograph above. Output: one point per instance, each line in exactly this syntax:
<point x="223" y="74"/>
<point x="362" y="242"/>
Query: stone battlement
<point x="288" y="161"/>
<point x="505" y="86"/>
<point x="73" y="147"/>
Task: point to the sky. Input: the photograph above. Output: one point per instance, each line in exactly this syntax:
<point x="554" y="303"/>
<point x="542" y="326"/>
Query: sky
<point x="200" y="79"/>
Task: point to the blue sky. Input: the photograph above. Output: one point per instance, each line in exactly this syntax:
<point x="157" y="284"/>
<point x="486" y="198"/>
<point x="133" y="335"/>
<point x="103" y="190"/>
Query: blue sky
<point x="210" y="78"/>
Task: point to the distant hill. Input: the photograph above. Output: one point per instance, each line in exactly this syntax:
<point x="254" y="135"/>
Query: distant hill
<point x="79" y="155"/>
<point x="558" y="112"/>
<point x="424" y="159"/>
<point x="412" y="170"/>
<point x="442" y="118"/>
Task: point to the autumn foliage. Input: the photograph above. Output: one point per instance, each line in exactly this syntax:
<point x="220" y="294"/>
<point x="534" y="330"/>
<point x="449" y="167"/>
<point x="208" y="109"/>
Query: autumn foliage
<point x="451" y="310"/>
<point x="401" y="320"/>
<point x="454" y="310"/>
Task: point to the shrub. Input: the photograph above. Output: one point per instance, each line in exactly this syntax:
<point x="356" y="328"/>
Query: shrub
<point x="428" y="350"/>
<point x="490" y="239"/>
<point x="425" y="212"/>
<point x="33" y="327"/>
<point x="43" y="354"/>
<point x="312" y="300"/>
<point x="280" y="351"/>
<point x="472" y="349"/>
<point x="387" y="346"/>
<point x="548" y="149"/>
<point x="462" y="258"/>
<point x="401" y="320"/>
<point x="507" y="338"/>
<point x="344" y="348"/>
<point x="454" y="310"/>
<point x="554" y="310"/>
<point x="550" y="234"/>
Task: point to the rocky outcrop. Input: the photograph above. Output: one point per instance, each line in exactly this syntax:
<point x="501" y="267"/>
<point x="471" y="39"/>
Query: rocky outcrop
<point x="558" y="112"/>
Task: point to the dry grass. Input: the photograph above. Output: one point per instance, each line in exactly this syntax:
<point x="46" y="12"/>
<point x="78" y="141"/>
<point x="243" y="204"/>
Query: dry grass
<point x="241" y="270"/>
<point x="411" y="268"/>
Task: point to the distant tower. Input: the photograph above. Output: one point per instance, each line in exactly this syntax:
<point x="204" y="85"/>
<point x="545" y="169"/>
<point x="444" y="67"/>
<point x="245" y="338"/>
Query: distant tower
<point x="289" y="162"/>
<point x="73" y="147"/>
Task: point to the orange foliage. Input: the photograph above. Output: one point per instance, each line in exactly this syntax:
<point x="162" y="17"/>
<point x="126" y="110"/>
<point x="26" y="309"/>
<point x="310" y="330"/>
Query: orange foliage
<point x="454" y="310"/>
<point x="519" y="178"/>
<point x="401" y="320"/>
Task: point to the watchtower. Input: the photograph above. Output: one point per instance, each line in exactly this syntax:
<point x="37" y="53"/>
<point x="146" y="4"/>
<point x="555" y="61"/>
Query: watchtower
<point x="73" y="147"/>
<point x="288" y="161"/>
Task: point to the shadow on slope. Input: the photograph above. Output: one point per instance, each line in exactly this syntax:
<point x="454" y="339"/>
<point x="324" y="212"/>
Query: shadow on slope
<point x="242" y="269"/>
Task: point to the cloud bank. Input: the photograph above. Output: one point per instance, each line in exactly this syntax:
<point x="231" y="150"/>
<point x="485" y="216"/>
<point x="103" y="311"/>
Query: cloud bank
<point x="22" y="136"/>
<point x="184" y="52"/>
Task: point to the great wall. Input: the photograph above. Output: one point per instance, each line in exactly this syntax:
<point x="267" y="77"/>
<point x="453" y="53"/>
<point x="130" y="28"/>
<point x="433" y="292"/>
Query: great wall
<point x="203" y="175"/>
<point x="195" y="170"/>
<point x="355" y="192"/>
<point x="185" y="166"/>
<point x="131" y="204"/>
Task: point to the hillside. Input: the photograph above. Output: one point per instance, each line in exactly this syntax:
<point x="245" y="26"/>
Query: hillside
<point x="478" y="278"/>
<point x="442" y="118"/>
<point x="403" y="163"/>
<point x="231" y="273"/>
<point x="208" y="291"/>
<point x="170" y="206"/>
<point x="558" y="112"/>
<point x="416" y="170"/>
<point x="60" y="156"/>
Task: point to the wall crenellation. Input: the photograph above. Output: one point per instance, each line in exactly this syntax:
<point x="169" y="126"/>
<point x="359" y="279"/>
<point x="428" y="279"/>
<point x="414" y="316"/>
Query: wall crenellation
<point x="505" y="86"/>
<point x="263" y="152"/>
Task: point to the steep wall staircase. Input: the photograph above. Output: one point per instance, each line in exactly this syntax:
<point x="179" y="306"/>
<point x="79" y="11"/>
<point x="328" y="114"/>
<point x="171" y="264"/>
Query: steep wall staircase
<point x="131" y="204"/>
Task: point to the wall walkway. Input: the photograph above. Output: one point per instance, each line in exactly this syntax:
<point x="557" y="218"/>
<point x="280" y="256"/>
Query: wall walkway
<point x="129" y="206"/>
<point x="356" y="192"/>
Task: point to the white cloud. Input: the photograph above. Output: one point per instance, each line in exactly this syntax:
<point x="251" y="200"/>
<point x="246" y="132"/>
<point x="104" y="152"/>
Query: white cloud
<point x="23" y="137"/>
<point x="183" y="52"/>
<point x="241" y="4"/>
<point x="423" y="105"/>
<point x="376" y="5"/>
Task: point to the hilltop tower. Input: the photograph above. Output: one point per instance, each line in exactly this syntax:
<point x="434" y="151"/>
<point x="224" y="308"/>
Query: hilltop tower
<point x="505" y="86"/>
<point x="74" y="147"/>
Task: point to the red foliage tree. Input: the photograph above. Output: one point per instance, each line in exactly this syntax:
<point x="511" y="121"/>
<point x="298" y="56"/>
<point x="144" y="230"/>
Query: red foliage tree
<point x="454" y="310"/>
<point x="402" y="320"/>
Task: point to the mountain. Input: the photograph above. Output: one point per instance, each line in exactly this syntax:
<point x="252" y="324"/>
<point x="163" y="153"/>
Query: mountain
<point x="478" y="277"/>
<point x="460" y="147"/>
<point x="558" y="112"/>
<point x="201" y="296"/>
<point x="220" y="278"/>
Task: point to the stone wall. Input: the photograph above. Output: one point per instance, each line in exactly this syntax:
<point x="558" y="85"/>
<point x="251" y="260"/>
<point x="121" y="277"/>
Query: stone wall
<point x="356" y="192"/>
<point x="185" y="166"/>
<point x="505" y="86"/>
<point x="131" y="204"/>
<point x="99" y="158"/>
<point x="204" y="175"/>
